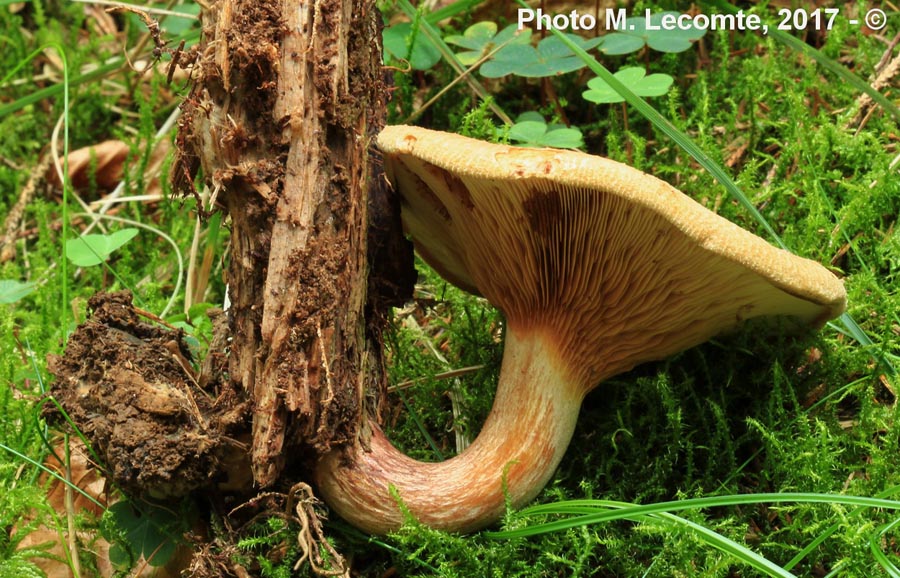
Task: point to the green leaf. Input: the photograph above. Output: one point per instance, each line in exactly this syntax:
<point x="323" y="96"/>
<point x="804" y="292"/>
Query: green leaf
<point x="530" y="115"/>
<point x="562" y="138"/>
<point x="422" y="55"/>
<point x="550" y="58"/>
<point x="509" y="60"/>
<point x="12" y="290"/>
<point x="531" y="130"/>
<point x="634" y="78"/>
<point x="636" y="35"/>
<point x="197" y="312"/>
<point x="90" y="250"/>
<point x="475" y="36"/>
<point x="617" y="43"/>
<point x="147" y="531"/>
<point x="482" y="37"/>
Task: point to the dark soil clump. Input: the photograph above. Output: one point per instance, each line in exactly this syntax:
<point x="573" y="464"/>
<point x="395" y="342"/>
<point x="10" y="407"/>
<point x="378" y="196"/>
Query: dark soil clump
<point x="131" y="389"/>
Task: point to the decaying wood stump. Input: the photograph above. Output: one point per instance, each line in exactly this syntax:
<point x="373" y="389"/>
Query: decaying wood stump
<point x="287" y="98"/>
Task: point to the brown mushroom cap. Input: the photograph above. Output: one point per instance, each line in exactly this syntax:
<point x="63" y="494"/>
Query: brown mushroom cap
<point x="624" y="267"/>
<point x="597" y="266"/>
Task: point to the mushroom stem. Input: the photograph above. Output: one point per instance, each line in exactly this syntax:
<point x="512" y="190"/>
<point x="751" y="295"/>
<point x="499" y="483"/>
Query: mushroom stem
<point x="518" y="449"/>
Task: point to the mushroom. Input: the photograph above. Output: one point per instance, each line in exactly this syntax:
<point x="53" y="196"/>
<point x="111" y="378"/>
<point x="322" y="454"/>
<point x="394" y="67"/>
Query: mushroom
<point x="597" y="267"/>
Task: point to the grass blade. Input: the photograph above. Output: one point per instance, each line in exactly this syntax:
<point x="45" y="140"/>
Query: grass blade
<point x="834" y="67"/>
<point x="434" y="36"/>
<point x="51" y="473"/>
<point x="589" y="514"/>
<point x="703" y="534"/>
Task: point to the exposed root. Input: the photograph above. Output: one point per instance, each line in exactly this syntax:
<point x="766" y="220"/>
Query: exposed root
<point x="311" y="538"/>
<point x="300" y="509"/>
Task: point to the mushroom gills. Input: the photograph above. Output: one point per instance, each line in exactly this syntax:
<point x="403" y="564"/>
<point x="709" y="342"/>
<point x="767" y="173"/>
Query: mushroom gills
<point x="597" y="266"/>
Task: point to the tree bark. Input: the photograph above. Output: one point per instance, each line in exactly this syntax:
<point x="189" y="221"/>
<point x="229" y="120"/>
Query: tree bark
<point x="287" y="97"/>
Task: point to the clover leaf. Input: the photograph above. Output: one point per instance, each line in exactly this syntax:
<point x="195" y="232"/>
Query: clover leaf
<point x="422" y="55"/>
<point x="90" y="250"/>
<point x="482" y="37"/>
<point x="635" y="35"/>
<point x="150" y="531"/>
<point x="551" y="57"/>
<point x="634" y="78"/>
<point x="531" y="130"/>
<point x="12" y="290"/>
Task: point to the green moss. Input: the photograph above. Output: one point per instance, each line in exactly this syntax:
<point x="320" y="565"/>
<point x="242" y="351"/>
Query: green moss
<point x="765" y="409"/>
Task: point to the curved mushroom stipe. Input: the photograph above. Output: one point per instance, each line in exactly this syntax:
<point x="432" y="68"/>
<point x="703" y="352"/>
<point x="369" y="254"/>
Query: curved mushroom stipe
<point x="519" y="447"/>
<point x="597" y="266"/>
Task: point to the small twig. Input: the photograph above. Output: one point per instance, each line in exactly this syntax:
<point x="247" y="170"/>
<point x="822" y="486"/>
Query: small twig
<point x="254" y="501"/>
<point x="453" y="83"/>
<point x="14" y="218"/>
<point x="885" y="75"/>
<point x="173" y="64"/>
<point x="192" y="256"/>
<point x="434" y="37"/>
<point x="146" y="9"/>
<point x="437" y="376"/>
<point x="885" y="58"/>
<point x="70" y="512"/>
<point x="175" y="349"/>
<point x="115" y="196"/>
<point x="148" y="198"/>
<point x="328" y="398"/>
<point x="154" y="317"/>
<point x="152" y="29"/>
